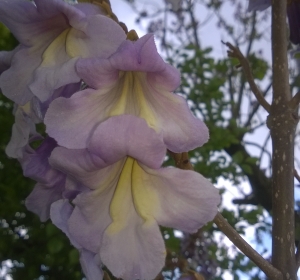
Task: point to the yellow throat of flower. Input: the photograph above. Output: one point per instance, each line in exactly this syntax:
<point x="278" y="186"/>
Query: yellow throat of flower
<point x="133" y="94"/>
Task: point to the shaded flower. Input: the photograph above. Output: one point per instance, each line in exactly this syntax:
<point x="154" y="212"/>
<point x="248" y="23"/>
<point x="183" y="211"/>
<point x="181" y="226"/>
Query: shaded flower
<point x="136" y="81"/>
<point x="129" y="195"/>
<point x="26" y="118"/>
<point x="90" y="262"/>
<point x="52" y="185"/>
<point x="52" y="34"/>
<point x="5" y="59"/>
<point x="23" y="129"/>
<point x="50" y="182"/>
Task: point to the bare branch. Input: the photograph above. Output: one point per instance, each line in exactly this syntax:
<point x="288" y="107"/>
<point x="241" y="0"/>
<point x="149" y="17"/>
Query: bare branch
<point x="194" y="25"/>
<point x="257" y="106"/>
<point x="240" y="243"/>
<point x="297" y="176"/>
<point x="182" y="161"/>
<point x="243" y="81"/>
<point x="294" y="102"/>
<point x="236" y="53"/>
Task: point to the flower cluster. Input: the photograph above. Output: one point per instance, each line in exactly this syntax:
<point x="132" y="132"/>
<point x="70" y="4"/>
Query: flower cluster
<point x="98" y="170"/>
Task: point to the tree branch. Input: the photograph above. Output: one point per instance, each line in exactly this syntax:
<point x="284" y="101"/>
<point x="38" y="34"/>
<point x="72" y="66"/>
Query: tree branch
<point x="296" y="175"/>
<point x="259" y="182"/>
<point x="294" y="102"/>
<point x="248" y="122"/>
<point x="282" y="124"/>
<point x="236" y="53"/>
<point x="182" y="161"/>
<point x="240" y="243"/>
<point x="243" y="81"/>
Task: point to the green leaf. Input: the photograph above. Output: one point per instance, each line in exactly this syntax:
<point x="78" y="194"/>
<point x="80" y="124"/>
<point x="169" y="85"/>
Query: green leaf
<point x="55" y="245"/>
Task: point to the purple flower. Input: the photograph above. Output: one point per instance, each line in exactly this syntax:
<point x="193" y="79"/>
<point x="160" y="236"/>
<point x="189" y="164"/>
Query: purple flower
<point x="52" y="185"/>
<point x="52" y="36"/>
<point x="50" y="182"/>
<point x="136" y="81"/>
<point x="128" y="195"/>
<point x="90" y="262"/>
<point x="22" y="130"/>
<point x="5" y="59"/>
<point x="26" y="118"/>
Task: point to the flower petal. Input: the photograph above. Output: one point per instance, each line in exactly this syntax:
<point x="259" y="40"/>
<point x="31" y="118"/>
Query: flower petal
<point x="165" y="112"/>
<point x="36" y="166"/>
<point x="24" y="20"/>
<point x="47" y="79"/>
<point x="41" y="198"/>
<point x="139" y="56"/>
<point x="64" y="91"/>
<point x="91" y="214"/>
<point x="22" y="130"/>
<point x="53" y="35"/>
<point x="5" y="60"/>
<point x="143" y="90"/>
<point x="182" y="131"/>
<point x="90" y="264"/>
<point x="59" y="59"/>
<point x="136" y="251"/>
<point x="60" y="213"/>
<point x="100" y="38"/>
<point x="131" y="248"/>
<point x="51" y="182"/>
<point x="127" y="135"/>
<point x="79" y="164"/>
<point x="176" y="198"/>
<point x="22" y="65"/>
<point x="71" y="121"/>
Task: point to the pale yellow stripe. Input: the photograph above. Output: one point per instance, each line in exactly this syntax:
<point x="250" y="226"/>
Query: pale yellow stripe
<point x="50" y="54"/>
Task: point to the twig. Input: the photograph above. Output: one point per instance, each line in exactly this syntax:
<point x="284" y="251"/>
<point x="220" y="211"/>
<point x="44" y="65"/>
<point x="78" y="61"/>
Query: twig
<point x="242" y="86"/>
<point x="106" y="276"/>
<point x="182" y="161"/>
<point x="240" y="243"/>
<point x="236" y="53"/>
<point x="248" y="122"/>
<point x="294" y="102"/>
<point x="297" y="176"/>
